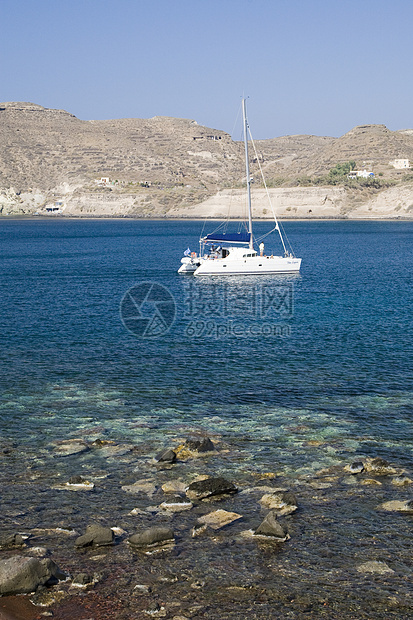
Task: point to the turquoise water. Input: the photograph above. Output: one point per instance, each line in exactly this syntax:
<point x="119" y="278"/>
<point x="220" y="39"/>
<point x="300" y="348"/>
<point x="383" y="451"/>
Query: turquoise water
<point x="312" y="379"/>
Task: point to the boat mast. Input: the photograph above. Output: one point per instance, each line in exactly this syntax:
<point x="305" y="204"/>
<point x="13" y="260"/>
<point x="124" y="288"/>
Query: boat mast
<point x="247" y="171"/>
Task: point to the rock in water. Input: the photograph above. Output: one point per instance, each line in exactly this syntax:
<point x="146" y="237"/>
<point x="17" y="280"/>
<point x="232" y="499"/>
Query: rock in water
<point x="166" y="456"/>
<point x="15" y="540"/>
<point x="96" y="535"/>
<point x="272" y="528"/>
<point x="380" y="467"/>
<point x="219" y="519"/>
<point x="152" y="536"/>
<point x="379" y="568"/>
<point x="200" y="445"/>
<point x="401" y="480"/>
<point x="210" y="487"/>
<point x="70" y="447"/>
<point x="355" y="468"/>
<point x="21" y="575"/>
<point x="284" y="502"/>
<point x="81" y="580"/>
<point x="176" y="504"/>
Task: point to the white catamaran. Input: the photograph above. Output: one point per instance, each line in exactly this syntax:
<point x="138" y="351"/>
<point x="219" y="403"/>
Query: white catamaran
<point x="223" y="253"/>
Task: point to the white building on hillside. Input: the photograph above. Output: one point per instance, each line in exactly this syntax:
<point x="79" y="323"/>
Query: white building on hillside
<point x="360" y="173"/>
<point x="400" y="164"/>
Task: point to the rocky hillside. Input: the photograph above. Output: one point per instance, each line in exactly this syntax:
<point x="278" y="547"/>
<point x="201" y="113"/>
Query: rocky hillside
<point x="53" y="163"/>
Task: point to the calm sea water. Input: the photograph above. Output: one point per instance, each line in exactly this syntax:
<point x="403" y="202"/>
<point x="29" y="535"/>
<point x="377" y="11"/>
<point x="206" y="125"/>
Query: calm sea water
<point x="343" y="364"/>
<point x="292" y="373"/>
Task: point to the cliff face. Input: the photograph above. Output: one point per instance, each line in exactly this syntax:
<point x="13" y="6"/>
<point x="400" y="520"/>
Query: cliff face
<point x="50" y="163"/>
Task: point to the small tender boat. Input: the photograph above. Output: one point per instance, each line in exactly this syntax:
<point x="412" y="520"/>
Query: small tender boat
<point x="222" y="253"/>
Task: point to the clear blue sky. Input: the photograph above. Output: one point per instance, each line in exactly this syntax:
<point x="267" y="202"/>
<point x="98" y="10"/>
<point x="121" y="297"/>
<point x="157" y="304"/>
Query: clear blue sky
<point x="308" y="66"/>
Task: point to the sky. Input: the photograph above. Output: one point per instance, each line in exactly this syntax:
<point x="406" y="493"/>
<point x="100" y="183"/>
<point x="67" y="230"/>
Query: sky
<point x="307" y="66"/>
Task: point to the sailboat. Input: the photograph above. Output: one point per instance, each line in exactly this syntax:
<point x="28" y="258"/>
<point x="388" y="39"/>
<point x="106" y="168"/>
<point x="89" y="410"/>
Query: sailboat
<point x="228" y="254"/>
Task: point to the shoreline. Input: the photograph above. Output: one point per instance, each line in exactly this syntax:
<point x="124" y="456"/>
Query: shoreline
<point x="197" y="219"/>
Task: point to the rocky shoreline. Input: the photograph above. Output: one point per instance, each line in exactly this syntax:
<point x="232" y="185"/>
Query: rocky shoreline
<point x="179" y="535"/>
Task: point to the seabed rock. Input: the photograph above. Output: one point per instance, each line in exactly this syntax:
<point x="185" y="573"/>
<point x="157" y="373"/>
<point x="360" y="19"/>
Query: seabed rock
<point x="147" y="486"/>
<point x="219" y="519"/>
<point x="355" y="468"/>
<point x="379" y="467"/>
<point x="272" y="528"/>
<point x="176" y="504"/>
<point x="113" y="451"/>
<point x="70" y="447"/>
<point x="152" y="536"/>
<point x="76" y="483"/>
<point x="166" y="456"/>
<point x="174" y="486"/>
<point x="371" y="482"/>
<point x="200" y="445"/>
<point x="379" y="568"/>
<point x="398" y="506"/>
<point x="194" y="447"/>
<point x="96" y="535"/>
<point x="22" y="575"/>
<point x="211" y="487"/>
<point x="284" y="502"/>
<point x="401" y="481"/>
<point x="14" y="540"/>
<point x="83" y="580"/>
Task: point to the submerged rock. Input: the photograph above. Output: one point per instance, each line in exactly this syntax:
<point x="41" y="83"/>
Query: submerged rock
<point x="379" y="467"/>
<point x="219" y="519"/>
<point x="379" y="568"/>
<point x="194" y="447"/>
<point x="21" y="575"/>
<point x="371" y="482"/>
<point x="70" y="447"/>
<point x="14" y="540"/>
<point x="147" y="486"/>
<point x="96" y="535"/>
<point x="284" y="502"/>
<point x="177" y="503"/>
<point x="82" y="580"/>
<point x="398" y="506"/>
<point x="211" y="487"/>
<point x="166" y="456"/>
<point x="76" y="483"/>
<point x="200" y="445"/>
<point x="152" y="536"/>
<point x="355" y="468"/>
<point x="113" y="451"/>
<point x="271" y="527"/>
<point x="174" y="486"/>
<point x="402" y="480"/>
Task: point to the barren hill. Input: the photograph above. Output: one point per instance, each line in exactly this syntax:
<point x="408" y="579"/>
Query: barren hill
<point x="168" y="166"/>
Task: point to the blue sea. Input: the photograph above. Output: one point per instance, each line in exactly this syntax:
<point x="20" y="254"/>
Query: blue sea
<point x="289" y="375"/>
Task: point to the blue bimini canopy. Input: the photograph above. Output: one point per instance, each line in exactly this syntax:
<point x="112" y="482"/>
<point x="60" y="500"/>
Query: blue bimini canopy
<point x="242" y="237"/>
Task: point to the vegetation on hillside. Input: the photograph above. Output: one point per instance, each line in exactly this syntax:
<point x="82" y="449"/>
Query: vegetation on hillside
<point x="339" y="175"/>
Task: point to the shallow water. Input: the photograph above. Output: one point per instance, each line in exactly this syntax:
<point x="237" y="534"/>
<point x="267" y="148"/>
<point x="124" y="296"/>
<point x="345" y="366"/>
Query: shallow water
<point x="291" y="376"/>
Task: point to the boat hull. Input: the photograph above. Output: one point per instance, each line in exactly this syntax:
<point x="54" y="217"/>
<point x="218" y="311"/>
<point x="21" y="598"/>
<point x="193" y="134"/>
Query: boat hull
<point x="256" y="265"/>
<point x="189" y="265"/>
